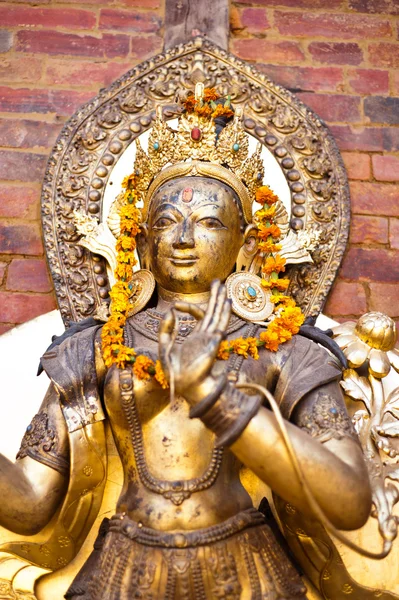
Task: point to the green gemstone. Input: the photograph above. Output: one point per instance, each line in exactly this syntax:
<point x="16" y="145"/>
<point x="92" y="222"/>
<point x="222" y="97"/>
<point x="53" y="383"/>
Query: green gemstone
<point x="236" y="147"/>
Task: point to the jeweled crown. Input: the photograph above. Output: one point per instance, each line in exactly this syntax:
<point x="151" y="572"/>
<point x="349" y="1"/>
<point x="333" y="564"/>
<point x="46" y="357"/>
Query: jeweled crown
<point x="195" y="148"/>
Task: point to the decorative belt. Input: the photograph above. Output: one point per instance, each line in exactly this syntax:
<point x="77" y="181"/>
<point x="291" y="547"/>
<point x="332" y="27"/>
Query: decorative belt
<point x="121" y="523"/>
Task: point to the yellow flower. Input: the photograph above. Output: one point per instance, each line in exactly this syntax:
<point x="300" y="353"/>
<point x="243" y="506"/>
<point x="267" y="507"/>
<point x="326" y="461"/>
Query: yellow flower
<point x="224" y="350"/>
<point x="253" y="347"/>
<point x="160" y="376"/>
<point x="240" y="346"/>
<point x="270" y="339"/>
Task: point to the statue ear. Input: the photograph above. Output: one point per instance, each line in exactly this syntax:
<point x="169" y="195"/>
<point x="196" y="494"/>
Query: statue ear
<point x="142" y="247"/>
<point x="248" y="250"/>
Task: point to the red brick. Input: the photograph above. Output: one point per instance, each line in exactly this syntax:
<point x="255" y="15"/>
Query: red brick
<point x="336" y="53"/>
<point x="139" y="3"/>
<point x="55" y="42"/>
<point x="5" y="40"/>
<point x="14" y="16"/>
<point x="3" y="327"/>
<point x="20" y="69"/>
<point x="380" y="109"/>
<point x="368" y="230"/>
<point x="375" y="6"/>
<point x="129" y="21"/>
<point x="18" y="308"/>
<point x="62" y="102"/>
<point x="146" y="47"/>
<point x="22" y="166"/>
<point x="303" y="79"/>
<point x="296" y="3"/>
<point x="395" y="82"/>
<point x="20" y="202"/>
<point x="371" y="264"/>
<point x="24" y="133"/>
<point x="333" y="108"/>
<point x="84" y="73"/>
<point x="346" y="299"/>
<point x="3" y="269"/>
<point x="386" y="168"/>
<point x="336" y="25"/>
<point x="20" y="239"/>
<point x="384" y="297"/>
<point x="394" y="233"/>
<point x="375" y="198"/>
<point x="254" y="20"/>
<point x="357" y="165"/>
<point x="368" y="81"/>
<point x="28" y="275"/>
<point x="261" y="49"/>
<point x="366" y="138"/>
<point x="384" y="54"/>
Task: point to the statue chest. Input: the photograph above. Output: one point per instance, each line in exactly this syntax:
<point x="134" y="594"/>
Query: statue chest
<point x="151" y="431"/>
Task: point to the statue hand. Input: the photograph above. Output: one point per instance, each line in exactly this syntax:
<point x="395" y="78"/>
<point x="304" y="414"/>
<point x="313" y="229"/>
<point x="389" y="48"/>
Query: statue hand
<point x="191" y="361"/>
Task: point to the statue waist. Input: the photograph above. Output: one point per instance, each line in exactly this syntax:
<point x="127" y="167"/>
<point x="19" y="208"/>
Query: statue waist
<point x="121" y="523"/>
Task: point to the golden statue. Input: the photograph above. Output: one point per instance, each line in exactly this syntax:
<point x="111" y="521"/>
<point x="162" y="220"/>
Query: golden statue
<point x="174" y="409"/>
<point x="187" y="377"/>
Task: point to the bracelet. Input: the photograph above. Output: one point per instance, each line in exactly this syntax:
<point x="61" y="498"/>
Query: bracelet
<point x="202" y="407"/>
<point x="229" y="412"/>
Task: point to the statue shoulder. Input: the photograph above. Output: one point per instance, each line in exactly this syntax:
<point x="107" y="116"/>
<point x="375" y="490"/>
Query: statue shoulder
<point x="72" y="367"/>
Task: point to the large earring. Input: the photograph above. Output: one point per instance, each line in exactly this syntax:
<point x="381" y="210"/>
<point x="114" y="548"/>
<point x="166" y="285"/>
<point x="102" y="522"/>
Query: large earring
<point x="248" y="250"/>
<point x="249" y="299"/>
<point x="142" y="287"/>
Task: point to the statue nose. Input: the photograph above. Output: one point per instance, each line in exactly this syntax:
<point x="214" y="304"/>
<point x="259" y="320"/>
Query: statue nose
<point x="185" y="238"/>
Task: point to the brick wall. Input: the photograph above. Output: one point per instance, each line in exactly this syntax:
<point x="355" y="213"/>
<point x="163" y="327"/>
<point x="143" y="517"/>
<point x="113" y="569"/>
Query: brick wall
<point x="339" y="56"/>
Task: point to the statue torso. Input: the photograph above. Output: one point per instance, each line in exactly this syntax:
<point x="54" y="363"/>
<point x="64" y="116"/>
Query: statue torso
<point x="174" y="478"/>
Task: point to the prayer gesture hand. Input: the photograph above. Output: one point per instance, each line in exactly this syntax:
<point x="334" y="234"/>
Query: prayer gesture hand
<point x="191" y="361"/>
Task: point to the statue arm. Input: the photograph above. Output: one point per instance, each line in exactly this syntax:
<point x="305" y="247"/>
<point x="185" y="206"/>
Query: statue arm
<point x="334" y="468"/>
<point x="32" y="488"/>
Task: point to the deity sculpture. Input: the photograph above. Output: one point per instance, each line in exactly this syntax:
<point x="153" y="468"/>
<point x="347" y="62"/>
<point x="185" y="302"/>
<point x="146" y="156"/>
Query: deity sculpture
<point x="179" y="372"/>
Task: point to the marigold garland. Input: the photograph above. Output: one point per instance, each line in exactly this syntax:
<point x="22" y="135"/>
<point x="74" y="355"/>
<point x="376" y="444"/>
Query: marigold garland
<point x="288" y="317"/>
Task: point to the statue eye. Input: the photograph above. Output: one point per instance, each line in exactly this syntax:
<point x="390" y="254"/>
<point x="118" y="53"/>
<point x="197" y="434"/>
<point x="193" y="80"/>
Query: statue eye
<point x="211" y="223"/>
<point x="162" y="223"/>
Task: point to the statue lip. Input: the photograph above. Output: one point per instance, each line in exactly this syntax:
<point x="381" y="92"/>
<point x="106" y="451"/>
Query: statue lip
<point x="183" y="260"/>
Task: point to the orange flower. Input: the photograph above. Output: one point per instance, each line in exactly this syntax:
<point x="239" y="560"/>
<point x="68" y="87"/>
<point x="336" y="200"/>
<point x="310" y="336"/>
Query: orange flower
<point x="210" y="94"/>
<point x="203" y="111"/>
<point x="270" y="339"/>
<point x="141" y="366"/>
<point x="221" y="110"/>
<point x="281" y="284"/>
<point x="264" y="195"/>
<point x="224" y="350"/>
<point x="190" y="103"/>
<point x="160" y="376"/>
<point x="273" y="264"/>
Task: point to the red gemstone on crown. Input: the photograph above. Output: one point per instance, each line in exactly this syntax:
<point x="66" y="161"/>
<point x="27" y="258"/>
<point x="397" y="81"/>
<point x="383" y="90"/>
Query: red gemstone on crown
<point x="196" y="134"/>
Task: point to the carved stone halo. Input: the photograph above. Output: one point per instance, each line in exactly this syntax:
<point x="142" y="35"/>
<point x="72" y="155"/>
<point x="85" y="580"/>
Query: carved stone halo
<point x="142" y="286"/>
<point x="249" y="300"/>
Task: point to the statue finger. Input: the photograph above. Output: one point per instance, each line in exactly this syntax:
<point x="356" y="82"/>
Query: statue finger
<point x="225" y="316"/>
<point x="217" y="313"/>
<point x="166" y="337"/>
<point x="215" y="287"/>
<point x="192" y="309"/>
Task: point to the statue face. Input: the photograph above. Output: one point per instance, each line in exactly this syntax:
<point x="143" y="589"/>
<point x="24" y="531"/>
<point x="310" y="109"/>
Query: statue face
<point x="194" y="234"/>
